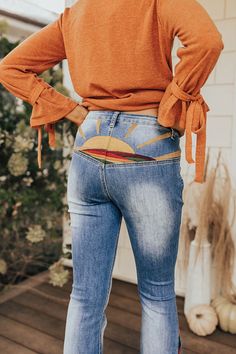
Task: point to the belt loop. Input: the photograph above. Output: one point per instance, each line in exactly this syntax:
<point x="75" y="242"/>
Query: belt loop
<point x="172" y="133"/>
<point x="114" y="118"/>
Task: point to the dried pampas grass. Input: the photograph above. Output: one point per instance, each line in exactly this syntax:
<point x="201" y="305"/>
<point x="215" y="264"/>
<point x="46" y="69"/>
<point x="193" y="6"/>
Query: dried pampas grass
<point x="220" y="234"/>
<point x="208" y="214"/>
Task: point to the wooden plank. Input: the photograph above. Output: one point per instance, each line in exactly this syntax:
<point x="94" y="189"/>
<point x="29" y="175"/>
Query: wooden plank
<point x="117" y="302"/>
<point x="29" y="337"/>
<point x="33" y="318"/>
<point x="23" y="286"/>
<point x="124" y="303"/>
<point x="64" y="290"/>
<point x="119" y="287"/>
<point x="130" y="304"/>
<point x="39" y="309"/>
<point x="49" y="289"/>
<point x="202" y="345"/>
<point x="122" y="335"/>
<point x="42" y="304"/>
<point x="125" y="289"/>
<point x="111" y="347"/>
<point x="123" y="318"/>
<point x="218" y="337"/>
<point x="180" y="303"/>
<point x="8" y="347"/>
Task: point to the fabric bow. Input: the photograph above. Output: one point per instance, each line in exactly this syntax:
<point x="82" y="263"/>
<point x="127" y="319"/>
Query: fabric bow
<point x="193" y="119"/>
<point x="50" y="128"/>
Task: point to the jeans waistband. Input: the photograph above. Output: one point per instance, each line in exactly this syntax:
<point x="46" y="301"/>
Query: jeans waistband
<point x="113" y="116"/>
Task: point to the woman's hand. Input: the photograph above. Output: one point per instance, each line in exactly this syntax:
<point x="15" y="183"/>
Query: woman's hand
<point x="78" y="114"/>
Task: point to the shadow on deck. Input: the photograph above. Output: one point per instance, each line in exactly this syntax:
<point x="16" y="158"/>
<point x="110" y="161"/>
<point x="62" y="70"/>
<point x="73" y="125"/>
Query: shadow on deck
<point x="32" y="320"/>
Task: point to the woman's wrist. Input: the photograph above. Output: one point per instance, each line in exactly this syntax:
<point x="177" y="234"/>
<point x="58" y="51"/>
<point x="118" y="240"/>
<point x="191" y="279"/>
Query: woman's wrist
<point x="78" y="114"/>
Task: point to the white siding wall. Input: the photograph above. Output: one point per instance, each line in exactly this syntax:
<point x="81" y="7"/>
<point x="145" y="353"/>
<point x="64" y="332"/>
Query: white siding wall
<point x="220" y="94"/>
<point x="18" y="30"/>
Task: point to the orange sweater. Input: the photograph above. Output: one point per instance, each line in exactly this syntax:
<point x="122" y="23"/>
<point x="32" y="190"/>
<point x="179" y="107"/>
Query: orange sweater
<point x="119" y="57"/>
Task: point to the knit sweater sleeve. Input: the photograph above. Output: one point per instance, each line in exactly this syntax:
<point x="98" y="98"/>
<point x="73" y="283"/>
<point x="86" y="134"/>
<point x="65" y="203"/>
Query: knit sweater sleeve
<point x="202" y="45"/>
<point x="20" y="68"/>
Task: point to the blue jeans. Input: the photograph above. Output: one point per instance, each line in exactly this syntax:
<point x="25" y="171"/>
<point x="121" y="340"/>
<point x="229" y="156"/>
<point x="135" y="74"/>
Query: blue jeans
<point x="124" y="165"/>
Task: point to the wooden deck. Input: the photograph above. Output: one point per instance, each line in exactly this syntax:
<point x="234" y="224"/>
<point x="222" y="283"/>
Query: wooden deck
<point x="32" y="320"/>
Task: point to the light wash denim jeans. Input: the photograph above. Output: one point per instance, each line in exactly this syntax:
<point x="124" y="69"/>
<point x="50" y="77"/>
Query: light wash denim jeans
<point x="124" y="165"/>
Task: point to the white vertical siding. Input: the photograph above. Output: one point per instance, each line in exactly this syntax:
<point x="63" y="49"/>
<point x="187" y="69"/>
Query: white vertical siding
<point x="220" y="94"/>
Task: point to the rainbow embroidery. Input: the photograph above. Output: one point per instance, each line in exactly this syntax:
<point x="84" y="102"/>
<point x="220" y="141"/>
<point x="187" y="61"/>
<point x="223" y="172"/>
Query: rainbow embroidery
<point x="116" y="156"/>
<point x="118" y="152"/>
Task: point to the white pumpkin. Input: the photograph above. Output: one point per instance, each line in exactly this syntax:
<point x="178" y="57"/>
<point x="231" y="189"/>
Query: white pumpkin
<point x="226" y="312"/>
<point x="202" y="319"/>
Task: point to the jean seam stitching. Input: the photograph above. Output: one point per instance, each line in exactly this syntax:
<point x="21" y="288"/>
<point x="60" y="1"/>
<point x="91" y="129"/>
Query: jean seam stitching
<point x="104" y="183"/>
<point x="106" y="187"/>
<point x="145" y="163"/>
<point x="110" y="286"/>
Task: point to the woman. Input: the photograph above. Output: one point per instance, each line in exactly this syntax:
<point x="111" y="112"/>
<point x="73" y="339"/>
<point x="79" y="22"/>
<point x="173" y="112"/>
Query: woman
<point x="126" y="155"/>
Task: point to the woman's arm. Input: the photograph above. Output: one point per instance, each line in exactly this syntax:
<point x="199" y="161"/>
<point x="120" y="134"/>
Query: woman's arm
<point x="202" y="45"/>
<point x="202" y="42"/>
<point x="20" y="68"/>
<point x="19" y="72"/>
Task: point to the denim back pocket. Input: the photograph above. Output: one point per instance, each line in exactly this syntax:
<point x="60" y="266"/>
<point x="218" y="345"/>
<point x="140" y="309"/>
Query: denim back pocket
<point x="132" y="140"/>
<point x="143" y="141"/>
<point x="86" y="130"/>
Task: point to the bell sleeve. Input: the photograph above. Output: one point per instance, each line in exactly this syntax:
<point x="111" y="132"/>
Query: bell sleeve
<point x="182" y="100"/>
<point x="19" y="72"/>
